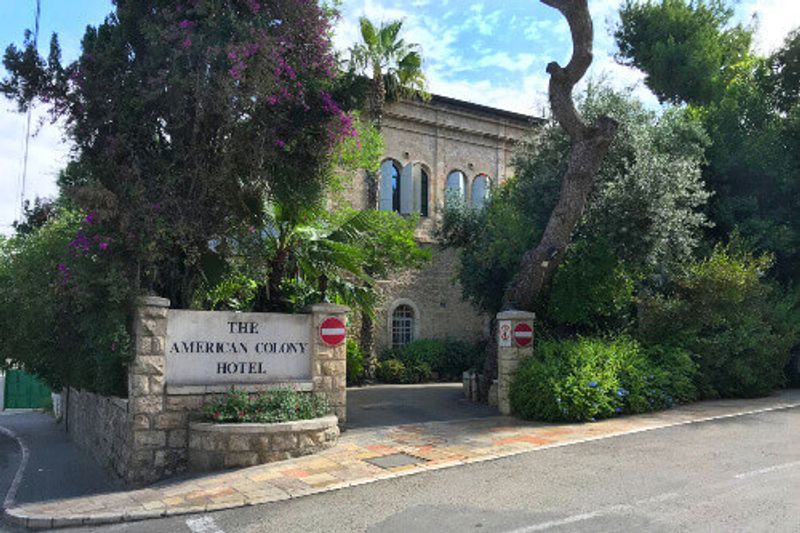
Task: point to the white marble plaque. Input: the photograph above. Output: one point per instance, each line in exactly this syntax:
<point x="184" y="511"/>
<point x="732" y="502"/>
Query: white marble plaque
<point x="221" y="348"/>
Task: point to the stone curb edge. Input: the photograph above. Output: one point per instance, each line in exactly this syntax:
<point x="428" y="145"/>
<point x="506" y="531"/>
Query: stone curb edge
<point x="22" y="519"/>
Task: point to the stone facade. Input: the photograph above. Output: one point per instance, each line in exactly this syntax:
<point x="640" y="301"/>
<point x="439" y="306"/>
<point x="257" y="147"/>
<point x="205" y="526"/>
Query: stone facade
<point x="100" y="424"/>
<point x="149" y="439"/>
<point x="441" y="136"/>
<point x="217" y="446"/>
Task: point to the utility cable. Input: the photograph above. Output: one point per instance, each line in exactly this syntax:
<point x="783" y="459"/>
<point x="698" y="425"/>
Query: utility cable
<point x="24" y="177"/>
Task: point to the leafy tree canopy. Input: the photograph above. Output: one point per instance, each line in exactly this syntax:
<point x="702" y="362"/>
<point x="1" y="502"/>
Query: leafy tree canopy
<point x="185" y="115"/>
<point x="686" y="47"/>
<point x="647" y="204"/>
<point x="748" y="105"/>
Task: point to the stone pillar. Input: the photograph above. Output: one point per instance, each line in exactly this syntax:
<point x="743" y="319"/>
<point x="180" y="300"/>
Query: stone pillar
<point x="329" y="363"/>
<point x="148" y="438"/>
<point x="510" y="353"/>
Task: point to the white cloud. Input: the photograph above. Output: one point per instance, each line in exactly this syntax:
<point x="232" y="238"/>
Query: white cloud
<point x="518" y="63"/>
<point x="47" y="156"/>
<point x="776" y="18"/>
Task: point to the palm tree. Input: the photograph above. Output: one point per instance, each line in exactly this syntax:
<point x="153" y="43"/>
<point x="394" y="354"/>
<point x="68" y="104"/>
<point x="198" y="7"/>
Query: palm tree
<point x="394" y="66"/>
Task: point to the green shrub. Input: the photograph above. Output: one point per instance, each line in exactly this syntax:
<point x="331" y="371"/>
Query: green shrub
<point x="418" y="373"/>
<point x="391" y="371"/>
<point x="65" y="302"/>
<point x="355" y="363"/>
<point x="587" y="379"/>
<point x="448" y="358"/>
<point x="591" y="289"/>
<point x="460" y="356"/>
<point x="280" y="405"/>
<point x="739" y="328"/>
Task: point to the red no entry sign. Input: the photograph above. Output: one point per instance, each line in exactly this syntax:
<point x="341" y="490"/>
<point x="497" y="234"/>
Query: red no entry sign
<point x="523" y="334"/>
<point x="332" y="331"/>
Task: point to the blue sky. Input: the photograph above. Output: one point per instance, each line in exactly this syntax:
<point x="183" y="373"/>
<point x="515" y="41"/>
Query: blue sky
<point x="489" y="52"/>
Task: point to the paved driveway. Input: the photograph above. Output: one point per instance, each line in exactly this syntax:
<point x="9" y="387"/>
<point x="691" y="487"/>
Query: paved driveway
<point x="394" y="405"/>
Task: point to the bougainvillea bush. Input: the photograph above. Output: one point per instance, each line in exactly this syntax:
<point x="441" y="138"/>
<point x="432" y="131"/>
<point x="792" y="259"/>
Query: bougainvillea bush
<point x="279" y="405"/>
<point x="188" y="120"/>
<point x="64" y="304"/>
<point x="186" y="116"/>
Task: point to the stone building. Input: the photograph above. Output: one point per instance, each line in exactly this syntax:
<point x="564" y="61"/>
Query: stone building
<point x="435" y="150"/>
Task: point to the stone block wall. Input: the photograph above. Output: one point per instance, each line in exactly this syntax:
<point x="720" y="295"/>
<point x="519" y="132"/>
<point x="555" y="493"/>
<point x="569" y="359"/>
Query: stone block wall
<point x="329" y="363"/>
<point x="150" y="438"/>
<point x="436" y="296"/>
<point x="217" y="446"/>
<point x="510" y="357"/>
<point x="100" y="424"/>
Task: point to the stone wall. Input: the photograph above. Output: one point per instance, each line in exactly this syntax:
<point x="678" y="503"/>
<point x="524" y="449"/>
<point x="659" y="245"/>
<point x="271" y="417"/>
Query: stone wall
<point x="442" y="135"/>
<point x="217" y="446"/>
<point x="100" y="424"/>
<point x="155" y="442"/>
<point x="435" y="294"/>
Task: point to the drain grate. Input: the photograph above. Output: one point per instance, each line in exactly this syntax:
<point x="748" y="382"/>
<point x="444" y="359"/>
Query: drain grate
<point x="394" y="460"/>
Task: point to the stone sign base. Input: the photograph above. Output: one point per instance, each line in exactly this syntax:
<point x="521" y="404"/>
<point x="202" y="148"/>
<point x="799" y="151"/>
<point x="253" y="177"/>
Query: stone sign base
<point x="146" y="437"/>
<point x="218" y="446"/>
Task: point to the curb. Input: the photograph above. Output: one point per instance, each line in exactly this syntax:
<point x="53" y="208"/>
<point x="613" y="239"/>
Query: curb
<point x="22" y="519"/>
<point x="11" y="495"/>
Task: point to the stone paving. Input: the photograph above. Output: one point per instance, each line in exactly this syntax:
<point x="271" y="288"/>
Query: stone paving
<point x="400" y="451"/>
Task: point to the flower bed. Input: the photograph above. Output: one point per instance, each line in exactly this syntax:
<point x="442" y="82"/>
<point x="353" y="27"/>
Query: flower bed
<point x="245" y="430"/>
<point x="216" y="446"/>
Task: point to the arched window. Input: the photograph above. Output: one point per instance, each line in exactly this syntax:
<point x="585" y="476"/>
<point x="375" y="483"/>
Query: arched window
<point x="456" y="186"/>
<point x="390" y="186"/>
<point x="424" y="183"/>
<point x="402" y="325"/>
<point x="481" y="187"/>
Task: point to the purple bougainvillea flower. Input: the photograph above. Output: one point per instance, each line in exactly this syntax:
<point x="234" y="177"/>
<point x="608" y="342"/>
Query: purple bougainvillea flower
<point x="103" y="246"/>
<point x="186" y="43"/>
<point x="186" y="24"/>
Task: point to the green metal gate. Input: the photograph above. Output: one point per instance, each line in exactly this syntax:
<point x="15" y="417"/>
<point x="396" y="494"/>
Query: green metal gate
<point x="25" y="391"/>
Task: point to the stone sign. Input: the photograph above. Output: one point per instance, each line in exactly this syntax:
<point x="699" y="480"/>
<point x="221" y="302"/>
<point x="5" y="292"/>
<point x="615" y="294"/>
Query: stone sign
<point x="217" y="348"/>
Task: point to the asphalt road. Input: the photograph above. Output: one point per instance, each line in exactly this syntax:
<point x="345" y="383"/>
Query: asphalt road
<point x="737" y="474"/>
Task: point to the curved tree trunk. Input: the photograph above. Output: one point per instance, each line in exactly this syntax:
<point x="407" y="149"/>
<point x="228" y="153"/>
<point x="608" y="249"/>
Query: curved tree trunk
<point x="589" y="145"/>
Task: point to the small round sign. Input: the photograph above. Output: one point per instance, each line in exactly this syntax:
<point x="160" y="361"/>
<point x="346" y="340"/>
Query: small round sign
<point x="332" y="331"/>
<point x="523" y="334"/>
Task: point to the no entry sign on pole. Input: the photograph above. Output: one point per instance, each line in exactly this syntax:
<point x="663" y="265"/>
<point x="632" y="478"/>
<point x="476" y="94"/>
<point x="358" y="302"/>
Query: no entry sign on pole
<point x="523" y="334"/>
<point x="332" y="331"/>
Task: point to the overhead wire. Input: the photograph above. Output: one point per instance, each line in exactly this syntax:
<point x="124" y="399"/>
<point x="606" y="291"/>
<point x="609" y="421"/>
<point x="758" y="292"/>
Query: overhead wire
<point x="24" y="176"/>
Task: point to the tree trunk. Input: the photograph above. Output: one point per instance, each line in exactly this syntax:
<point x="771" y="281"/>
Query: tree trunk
<point x="367" y="344"/>
<point x="377" y="100"/>
<point x="589" y="145"/>
<point x="376" y="104"/>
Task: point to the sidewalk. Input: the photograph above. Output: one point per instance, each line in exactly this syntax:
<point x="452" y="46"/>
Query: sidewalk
<point x="55" y="468"/>
<point x="365" y="456"/>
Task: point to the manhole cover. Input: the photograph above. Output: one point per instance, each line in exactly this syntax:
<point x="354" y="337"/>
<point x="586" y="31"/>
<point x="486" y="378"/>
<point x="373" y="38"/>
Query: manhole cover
<point x="395" y="460"/>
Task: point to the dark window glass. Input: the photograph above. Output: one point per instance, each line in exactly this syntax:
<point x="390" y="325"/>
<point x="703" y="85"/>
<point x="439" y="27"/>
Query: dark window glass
<point x="402" y="325"/>
<point x="423" y="192"/>
<point x="395" y="189"/>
